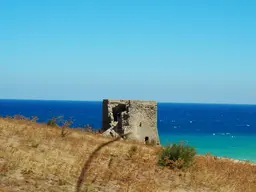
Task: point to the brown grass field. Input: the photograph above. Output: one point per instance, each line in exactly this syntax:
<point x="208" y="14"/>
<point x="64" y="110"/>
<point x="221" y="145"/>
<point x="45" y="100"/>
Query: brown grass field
<point x="34" y="157"/>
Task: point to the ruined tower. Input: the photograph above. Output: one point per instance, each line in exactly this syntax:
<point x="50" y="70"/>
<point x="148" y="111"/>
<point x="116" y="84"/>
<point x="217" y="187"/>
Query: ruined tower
<point x="131" y="116"/>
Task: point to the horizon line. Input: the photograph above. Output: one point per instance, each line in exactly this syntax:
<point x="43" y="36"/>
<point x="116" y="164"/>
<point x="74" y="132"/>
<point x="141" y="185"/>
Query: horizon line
<point x="162" y="102"/>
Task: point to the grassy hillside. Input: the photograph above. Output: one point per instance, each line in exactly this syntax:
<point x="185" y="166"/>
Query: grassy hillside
<point x="35" y="157"/>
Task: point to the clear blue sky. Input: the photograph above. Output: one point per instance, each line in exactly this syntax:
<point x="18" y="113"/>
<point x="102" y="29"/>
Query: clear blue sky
<point x="171" y="50"/>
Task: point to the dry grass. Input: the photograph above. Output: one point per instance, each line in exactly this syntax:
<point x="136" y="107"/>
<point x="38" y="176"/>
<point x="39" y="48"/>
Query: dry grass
<point x="34" y="157"/>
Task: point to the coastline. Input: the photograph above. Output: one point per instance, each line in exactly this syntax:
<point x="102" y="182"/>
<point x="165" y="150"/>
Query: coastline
<point x="228" y="159"/>
<point x="234" y="146"/>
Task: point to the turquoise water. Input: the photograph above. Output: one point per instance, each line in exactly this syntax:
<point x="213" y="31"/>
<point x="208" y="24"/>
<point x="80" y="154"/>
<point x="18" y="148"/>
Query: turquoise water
<point x="242" y="147"/>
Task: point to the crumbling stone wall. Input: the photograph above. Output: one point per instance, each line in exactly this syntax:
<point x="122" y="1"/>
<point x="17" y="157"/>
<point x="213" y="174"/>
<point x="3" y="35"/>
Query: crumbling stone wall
<point x="134" y="116"/>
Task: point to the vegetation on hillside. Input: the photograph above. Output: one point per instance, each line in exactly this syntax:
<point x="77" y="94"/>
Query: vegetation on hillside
<point x="35" y="157"/>
<point x="52" y="122"/>
<point x="177" y="156"/>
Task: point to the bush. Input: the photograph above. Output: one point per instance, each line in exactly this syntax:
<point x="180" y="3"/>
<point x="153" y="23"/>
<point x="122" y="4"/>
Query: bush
<point x="177" y="156"/>
<point x="52" y="122"/>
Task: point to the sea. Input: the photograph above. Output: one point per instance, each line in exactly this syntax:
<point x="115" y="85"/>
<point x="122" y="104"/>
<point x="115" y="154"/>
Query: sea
<point x="219" y="129"/>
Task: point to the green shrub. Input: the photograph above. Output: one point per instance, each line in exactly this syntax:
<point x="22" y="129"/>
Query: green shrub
<point x="52" y="122"/>
<point x="177" y="156"/>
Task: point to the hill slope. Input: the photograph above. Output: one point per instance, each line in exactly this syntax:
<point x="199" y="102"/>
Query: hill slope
<point x="34" y="157"/>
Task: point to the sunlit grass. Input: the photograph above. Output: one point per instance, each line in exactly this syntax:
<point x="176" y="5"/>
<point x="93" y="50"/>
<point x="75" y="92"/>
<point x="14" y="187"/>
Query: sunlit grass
<point x="36" y="157"/>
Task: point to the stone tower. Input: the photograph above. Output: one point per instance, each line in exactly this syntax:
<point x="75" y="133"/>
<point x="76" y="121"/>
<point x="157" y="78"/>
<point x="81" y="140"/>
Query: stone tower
<point x="131" y="116"/>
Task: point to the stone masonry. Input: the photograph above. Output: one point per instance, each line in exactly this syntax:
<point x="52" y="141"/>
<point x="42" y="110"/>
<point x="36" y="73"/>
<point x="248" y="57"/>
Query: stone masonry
<point x="131" y="116"/>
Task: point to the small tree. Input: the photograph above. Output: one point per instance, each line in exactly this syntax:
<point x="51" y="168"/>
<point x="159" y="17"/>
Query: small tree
<point x="177" y="156"/>
<point x="65" y="124"/>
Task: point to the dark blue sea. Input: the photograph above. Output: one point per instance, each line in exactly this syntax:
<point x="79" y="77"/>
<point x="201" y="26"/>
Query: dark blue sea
<point x="223" y="130"/>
